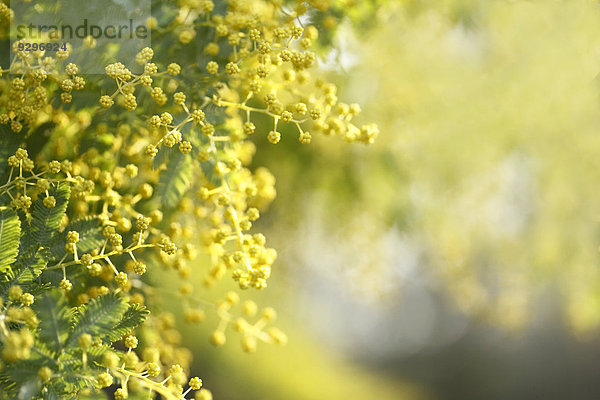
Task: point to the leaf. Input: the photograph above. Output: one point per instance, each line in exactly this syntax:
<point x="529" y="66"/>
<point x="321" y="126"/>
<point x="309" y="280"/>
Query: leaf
<point x="98" y="317"/>
<point x="19" y="373"/>
<point x="29" y="265"/>
<point x="97" y="351"/>
<point x="163" y="156"/>
<point x="8" y="388"/>
<point x="134" y="316"/>
<point x="10" y="232"/>
<point x="45" y="221"/>
<point x="208" y="170"/>
<point x="43" y="227"/>
<point x="90" y="237"/>
<point x="175" y="180"/>
<point x="73" y="378"/>
<point x="55" y="320"/>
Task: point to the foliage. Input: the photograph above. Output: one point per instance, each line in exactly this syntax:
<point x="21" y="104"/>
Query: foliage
<point x="107" y="181"/>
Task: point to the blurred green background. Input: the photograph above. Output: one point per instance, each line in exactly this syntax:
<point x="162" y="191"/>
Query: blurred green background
<point x="456" y="258"/>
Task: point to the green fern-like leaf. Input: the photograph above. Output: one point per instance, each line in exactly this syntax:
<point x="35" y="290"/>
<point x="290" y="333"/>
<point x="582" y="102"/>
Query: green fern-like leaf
<point x="90" y="237"/>
<point x="19" y="380"/>
<point x="175" y="180"/>
<point x="55" y="320"/>
<point x="10" y="231"/>
<point x="74" y="377"/>
<point x="45" y="221"/>
<point x="8" y="388"/>
<point x="38" y="234"/>
<point x="208" y="170"/>
<point x="29" y="265"/>
<point x="133" y="317"/>
<point x="163" y="156"/>
<point x="98" y="317"/>
<point x="97" y="351"/>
